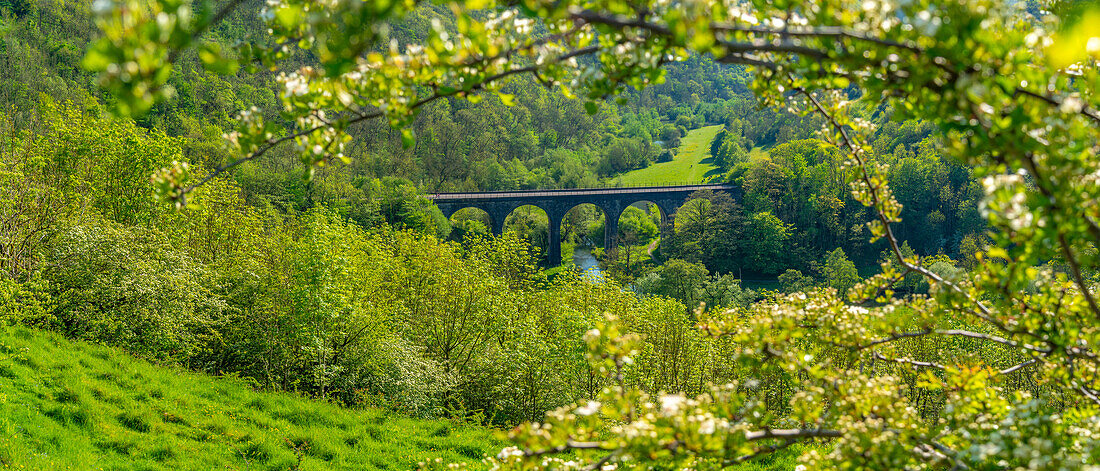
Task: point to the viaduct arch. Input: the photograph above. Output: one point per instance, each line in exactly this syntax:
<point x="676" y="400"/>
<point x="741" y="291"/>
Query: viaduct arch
<point x="613" y="201"/>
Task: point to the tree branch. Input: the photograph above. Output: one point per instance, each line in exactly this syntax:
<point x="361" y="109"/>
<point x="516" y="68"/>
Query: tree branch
<point x="204" y="27"/>
<point x="818" y="32"/>
<point x="1085" y="110"/>
<point x="1013" y="369"/>
<point x="983" y="312"/>
<point x="1075" y="269"/>
<point x="377" y="114"/>
<point x="791" y="433"/>
<point x="602" y="461"/>
<point x="766" y="450"/>
<point x="569" y="445"/>
<point x="923" y="364"/>
<point x="948" y="332"/>
<point x="591" y="17"/>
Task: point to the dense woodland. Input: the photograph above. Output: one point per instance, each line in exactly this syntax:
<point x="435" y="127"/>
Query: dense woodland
<point x="344" y="283"/>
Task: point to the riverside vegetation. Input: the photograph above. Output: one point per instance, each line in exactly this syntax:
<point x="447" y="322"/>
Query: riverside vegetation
<point x="284" y="242"/>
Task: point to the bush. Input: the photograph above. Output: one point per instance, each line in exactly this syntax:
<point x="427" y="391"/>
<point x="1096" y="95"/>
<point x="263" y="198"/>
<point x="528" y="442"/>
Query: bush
<point x="792" y="281"/>
<point x="408" y="381"/>
<point x="27" y="302"/>
<point x="128" y="286"/>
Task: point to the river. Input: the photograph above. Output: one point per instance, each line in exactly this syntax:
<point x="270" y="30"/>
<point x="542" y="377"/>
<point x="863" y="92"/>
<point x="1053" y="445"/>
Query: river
<point x="586" y="263"/>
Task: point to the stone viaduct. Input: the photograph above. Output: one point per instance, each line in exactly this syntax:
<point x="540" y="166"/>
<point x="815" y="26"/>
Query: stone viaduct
<point x="613" y="201"/>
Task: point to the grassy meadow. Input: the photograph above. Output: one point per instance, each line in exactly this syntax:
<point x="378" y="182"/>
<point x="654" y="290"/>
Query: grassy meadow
<point x="690" y="165"/>
<point x="75" y="405"/>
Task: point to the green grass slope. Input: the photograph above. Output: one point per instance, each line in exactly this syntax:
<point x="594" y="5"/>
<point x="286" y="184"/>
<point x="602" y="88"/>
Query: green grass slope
<point x="690" y="165"/>
<point x="74" y="405"/>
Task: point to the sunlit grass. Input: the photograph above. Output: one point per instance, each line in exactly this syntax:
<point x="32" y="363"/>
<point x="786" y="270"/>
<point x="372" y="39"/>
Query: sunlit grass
<point x="74" y="405"/>
<point x="690" y="165"/>
<point x="757" y="153"/>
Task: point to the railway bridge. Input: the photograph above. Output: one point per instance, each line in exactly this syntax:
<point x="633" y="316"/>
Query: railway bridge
<point x="613" y="201"/>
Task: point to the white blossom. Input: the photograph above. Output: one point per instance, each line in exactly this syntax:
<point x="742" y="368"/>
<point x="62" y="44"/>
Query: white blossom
<point x="1074" y="104"/>
<point x="708" y="426"/>
<point x="671" y="404"/>
<point x="509" y="452"/>
<point x="1093" y="45"/>
<point x="590" y="408"/>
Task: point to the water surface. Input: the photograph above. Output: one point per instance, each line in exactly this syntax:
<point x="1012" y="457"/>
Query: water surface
<point x="586" y="263"/>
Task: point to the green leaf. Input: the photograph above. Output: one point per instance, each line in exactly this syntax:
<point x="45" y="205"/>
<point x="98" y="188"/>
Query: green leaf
<point x="96" y="60"/>
<point x="997" y="252"/>
<point x="215" y="61"/>
<point x="476" y="4"/>
<point x="288" y="16"/>
<point x="591" y="107"/>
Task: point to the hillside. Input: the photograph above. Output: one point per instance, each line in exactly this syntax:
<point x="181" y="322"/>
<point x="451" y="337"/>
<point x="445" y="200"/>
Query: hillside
<point x="690" y="165"/>
<point x="74" y="405"/>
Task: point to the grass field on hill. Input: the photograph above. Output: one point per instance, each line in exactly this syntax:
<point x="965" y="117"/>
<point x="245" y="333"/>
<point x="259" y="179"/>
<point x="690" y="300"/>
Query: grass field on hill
<point x="74" y="405"/>
<point x="690" y="165"/>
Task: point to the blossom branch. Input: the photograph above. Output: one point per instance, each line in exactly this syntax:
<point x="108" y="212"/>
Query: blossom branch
<point x="1059" y="102"/>
<point x="983" y="312"/>
<point x="791" y="433"/>
<point x="923" y="364"/>
<point x="947" y="332"/>
<point x="361" y="116"/>
<point x="817" y="32"/>
<point x="1075" y="267"/>
<point x="767" y="450"/>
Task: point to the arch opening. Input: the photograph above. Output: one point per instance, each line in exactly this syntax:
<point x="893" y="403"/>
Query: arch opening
<point x="582" y="235"/>
<point x="640" y="223"/>
<point x="469" y="222"/>
<point x="532" y="224"/>
<point x="637" y="236"/>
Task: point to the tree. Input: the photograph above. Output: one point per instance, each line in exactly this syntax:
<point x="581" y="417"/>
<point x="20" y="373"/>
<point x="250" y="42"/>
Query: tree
<point x="531" y="224"/>
<point x="623" y="154"/>
<point x="725" y="291"/>
<point x="637" y="227"/>
<point x="1012" y="94"/>
<point x="403" y="206"/>
<point x="728" y="148"/>
<point x="793" y="281"/>
<point x="839" y="272"/>
<point x="678" y="279"/>
<point x="17" y="8"/>
<point x="128" y="286"/>
<point x="766" y="243"/>
<point x="708" y="230"/>
<point x="969" y="248"/>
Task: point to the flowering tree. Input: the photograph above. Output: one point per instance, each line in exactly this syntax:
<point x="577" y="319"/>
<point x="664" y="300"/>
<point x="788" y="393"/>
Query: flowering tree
<point x="995" y="369"/>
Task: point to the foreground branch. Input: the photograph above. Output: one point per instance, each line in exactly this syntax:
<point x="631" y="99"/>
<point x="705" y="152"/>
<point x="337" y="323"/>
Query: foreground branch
<point x="271" y="144"/>
<point x="792" y="433"/>
<point x="766" y="450"/>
